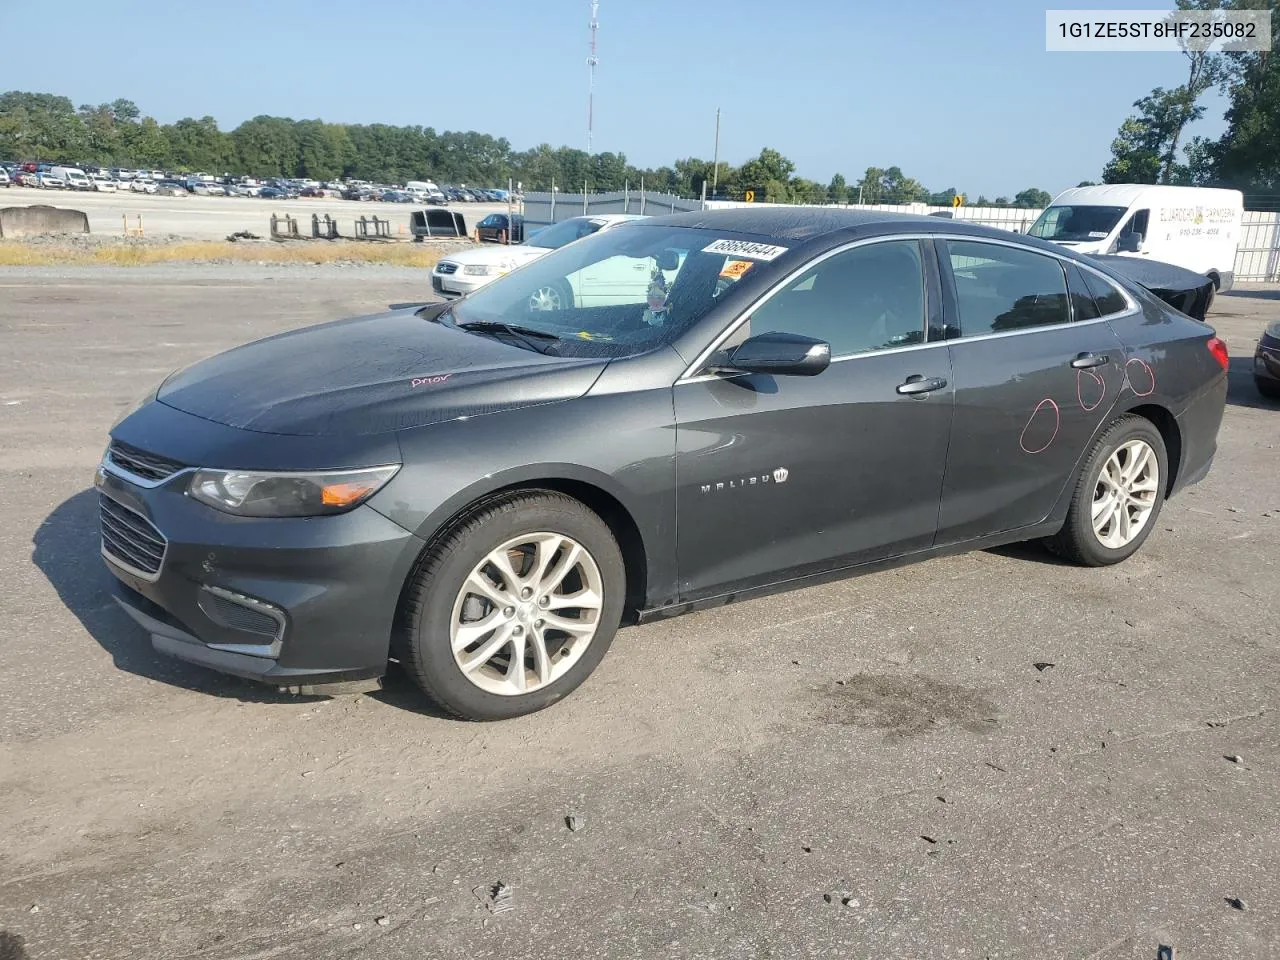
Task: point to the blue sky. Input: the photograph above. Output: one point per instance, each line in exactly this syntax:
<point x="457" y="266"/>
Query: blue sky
<point x="957" y="94"/>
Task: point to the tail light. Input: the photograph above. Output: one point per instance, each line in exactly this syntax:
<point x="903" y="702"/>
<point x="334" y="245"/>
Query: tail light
<point x="1219" y="351"/>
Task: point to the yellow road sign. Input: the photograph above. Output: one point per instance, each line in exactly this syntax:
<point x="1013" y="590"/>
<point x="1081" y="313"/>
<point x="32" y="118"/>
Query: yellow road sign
<point x="957" y="200"/>
<point x="749" y="196"/>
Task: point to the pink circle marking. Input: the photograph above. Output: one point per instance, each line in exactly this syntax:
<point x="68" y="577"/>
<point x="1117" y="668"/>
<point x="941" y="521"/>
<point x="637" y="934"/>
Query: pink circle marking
<point x="1057" y="422"/>
<point x="1150" y="373"/>
<point x="1080" y="375"/>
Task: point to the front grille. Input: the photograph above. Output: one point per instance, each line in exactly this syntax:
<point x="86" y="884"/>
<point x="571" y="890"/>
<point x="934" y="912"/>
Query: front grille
<point x="129" y="538"/>
<point x="238" y="615"/>
<point x="148" y="466"/>
<point x="447" y="267"/>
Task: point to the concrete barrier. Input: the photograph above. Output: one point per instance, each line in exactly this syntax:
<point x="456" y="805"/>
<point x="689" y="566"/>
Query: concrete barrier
<point x="17" y="222"/>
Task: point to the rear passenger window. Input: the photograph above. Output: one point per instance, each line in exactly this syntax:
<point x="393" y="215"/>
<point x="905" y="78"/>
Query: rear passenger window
<point x="1082" y="304"/>
<point x="1001" y="288"/>
<point x="1105" y="295"/>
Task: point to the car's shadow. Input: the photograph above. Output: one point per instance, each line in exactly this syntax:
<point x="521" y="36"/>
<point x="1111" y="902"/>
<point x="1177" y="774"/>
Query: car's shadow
<point x="1241" y="390"/>
<point x="1030" y="551"/>
<point x="67" y="552"/>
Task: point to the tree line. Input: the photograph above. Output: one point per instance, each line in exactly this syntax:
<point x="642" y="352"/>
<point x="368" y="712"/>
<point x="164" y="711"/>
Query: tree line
<point x="47" y="127"/>
<point x="1149" y="147"/>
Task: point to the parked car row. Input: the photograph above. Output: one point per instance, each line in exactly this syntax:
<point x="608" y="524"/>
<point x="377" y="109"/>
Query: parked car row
<point x="115" y="179"/>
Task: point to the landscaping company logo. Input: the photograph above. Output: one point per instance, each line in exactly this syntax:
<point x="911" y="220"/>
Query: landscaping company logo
<point x="778" y="476"/>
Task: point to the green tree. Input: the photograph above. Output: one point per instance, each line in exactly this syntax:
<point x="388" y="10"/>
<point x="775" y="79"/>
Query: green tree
<point x="1247" y="155"/>
<point x="1032" y="197"/>
<point x="198" y="145"/>
<point x="1145" y="149"/>
<point x="870" y="186"/>
<point x="838" y="190"/>
<point x="769" y="166"/>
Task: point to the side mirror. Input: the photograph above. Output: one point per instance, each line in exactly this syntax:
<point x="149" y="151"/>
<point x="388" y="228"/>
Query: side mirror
<point x="1129" y="243"/>
<point x="781" y="354"/>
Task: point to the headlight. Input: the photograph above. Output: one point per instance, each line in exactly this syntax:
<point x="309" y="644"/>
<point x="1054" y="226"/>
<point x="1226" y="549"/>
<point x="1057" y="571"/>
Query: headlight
<point x="477" y="269"/>
<point x="254" y="494"/>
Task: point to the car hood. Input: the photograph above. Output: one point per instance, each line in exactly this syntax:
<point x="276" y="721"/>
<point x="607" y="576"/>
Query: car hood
<point x="494" y="254"/>
<point x="371" y="375"/>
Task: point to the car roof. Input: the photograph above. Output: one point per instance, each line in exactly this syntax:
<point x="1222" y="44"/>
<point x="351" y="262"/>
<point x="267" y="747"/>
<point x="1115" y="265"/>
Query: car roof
<point x="807" y="223"/>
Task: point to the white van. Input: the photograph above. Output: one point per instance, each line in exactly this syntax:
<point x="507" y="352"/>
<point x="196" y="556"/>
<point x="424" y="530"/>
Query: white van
<point x="73" y="177"/>
<point x="1196" y="228"/>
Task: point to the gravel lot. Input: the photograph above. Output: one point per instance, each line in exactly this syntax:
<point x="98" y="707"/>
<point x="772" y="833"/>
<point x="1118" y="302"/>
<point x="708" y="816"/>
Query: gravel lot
<point x="868" y="768"/>
<point x="213" y="218"/>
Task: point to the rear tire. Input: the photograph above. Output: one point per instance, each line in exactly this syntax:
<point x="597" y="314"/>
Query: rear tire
<point x="480" y="625"/>
<point x="1118" y="495"/>
<point x="1268" y="388"/>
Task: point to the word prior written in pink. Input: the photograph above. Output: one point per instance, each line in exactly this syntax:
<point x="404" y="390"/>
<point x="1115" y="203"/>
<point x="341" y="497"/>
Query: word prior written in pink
<point x="430" y="381"/>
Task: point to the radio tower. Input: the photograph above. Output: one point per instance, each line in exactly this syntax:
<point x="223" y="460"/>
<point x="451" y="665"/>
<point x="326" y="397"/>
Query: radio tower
<point x="592" y="60"/>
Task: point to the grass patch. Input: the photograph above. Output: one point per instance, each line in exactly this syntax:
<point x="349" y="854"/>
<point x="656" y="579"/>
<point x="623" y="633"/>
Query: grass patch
<point x="126" y="254"/>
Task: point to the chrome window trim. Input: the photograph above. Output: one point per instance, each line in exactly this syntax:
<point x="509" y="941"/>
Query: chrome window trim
<point x="1131" y="305"/>
<point x="691" y="376"/>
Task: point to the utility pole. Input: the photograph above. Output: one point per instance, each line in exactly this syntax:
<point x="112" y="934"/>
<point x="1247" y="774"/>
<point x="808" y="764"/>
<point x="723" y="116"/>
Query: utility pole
<point x="715" y="164"/>
<point x="592" y="61"/>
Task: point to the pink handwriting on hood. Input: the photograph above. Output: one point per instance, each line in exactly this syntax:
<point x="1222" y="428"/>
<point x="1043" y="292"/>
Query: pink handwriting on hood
<point x="430" y="381"/>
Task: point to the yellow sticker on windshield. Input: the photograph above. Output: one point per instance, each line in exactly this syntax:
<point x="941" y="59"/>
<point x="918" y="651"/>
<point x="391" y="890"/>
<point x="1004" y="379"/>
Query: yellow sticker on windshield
<point x="588" y="335"/>
<point x="734" y="269"/>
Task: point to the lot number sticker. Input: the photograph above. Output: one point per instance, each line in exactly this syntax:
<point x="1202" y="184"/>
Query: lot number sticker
<point x="745" y="248"/>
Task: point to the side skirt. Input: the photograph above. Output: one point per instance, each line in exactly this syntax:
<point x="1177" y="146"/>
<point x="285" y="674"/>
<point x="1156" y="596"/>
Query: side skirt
<point x="1046" y="528"/>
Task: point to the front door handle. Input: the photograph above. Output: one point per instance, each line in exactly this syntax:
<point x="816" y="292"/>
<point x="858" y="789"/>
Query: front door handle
<point x="919" y="386"/>
<point x="1084" y="361"/>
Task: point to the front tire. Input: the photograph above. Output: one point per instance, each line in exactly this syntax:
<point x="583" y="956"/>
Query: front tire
<point x="551" y="296"/>
<point x="514" y="608"/>
<point x="1117" y="497"/>
<point x="1268" y="388"/>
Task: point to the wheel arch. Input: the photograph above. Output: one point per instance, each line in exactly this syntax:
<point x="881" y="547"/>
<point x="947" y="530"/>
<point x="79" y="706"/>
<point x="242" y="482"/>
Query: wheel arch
<point x="1165" y="422"/>
<point x="591" y="491"/>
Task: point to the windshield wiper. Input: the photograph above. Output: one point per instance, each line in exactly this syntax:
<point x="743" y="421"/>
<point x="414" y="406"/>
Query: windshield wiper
<point x="526" y="335"/>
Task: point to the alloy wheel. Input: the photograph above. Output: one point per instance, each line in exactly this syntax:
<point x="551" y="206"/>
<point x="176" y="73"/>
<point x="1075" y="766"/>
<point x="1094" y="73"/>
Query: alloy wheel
<point x="546" y="298"/>
<point x="526" y="613"/>
<point x="1126" y="493"/>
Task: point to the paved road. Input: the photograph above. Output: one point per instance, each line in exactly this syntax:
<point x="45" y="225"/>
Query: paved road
<point x="883" y="740"/>
<point x="213" y="218"/>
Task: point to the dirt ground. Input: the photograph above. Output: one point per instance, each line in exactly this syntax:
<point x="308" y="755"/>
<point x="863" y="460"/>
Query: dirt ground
<point x="872" y="768"/>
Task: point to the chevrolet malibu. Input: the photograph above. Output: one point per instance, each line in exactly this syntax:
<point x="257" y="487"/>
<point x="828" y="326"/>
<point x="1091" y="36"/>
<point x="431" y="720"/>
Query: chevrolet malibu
<point x="485" y="491"/>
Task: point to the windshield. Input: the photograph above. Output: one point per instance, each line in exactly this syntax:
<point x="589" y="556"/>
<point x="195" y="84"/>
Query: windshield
<point x="1076" y="224"/>
<point x="558" y="234"/>
<point x="618" y="292"/>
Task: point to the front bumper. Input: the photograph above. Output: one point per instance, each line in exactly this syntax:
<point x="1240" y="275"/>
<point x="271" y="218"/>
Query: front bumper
<point x="1266" y="359"/>
<point x="288" y="602"/>
<point x="457" y="284"/>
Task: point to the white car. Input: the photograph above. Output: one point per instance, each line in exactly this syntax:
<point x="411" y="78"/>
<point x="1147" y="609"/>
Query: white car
<point x="103" y="184"/>
<point x="4" y="178"/>
<point x="143" y="186"/>
<point x="460" y="273"/>
<point x="52" y="181"/>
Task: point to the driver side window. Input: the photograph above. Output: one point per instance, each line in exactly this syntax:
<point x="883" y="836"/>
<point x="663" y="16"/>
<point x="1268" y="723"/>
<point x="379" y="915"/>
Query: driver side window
<point x="864" y="299"/>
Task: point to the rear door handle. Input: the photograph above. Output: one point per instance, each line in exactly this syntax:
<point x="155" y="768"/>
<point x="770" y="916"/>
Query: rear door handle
<point x="1084" y="361"/>
<point x="918" y="386"/>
